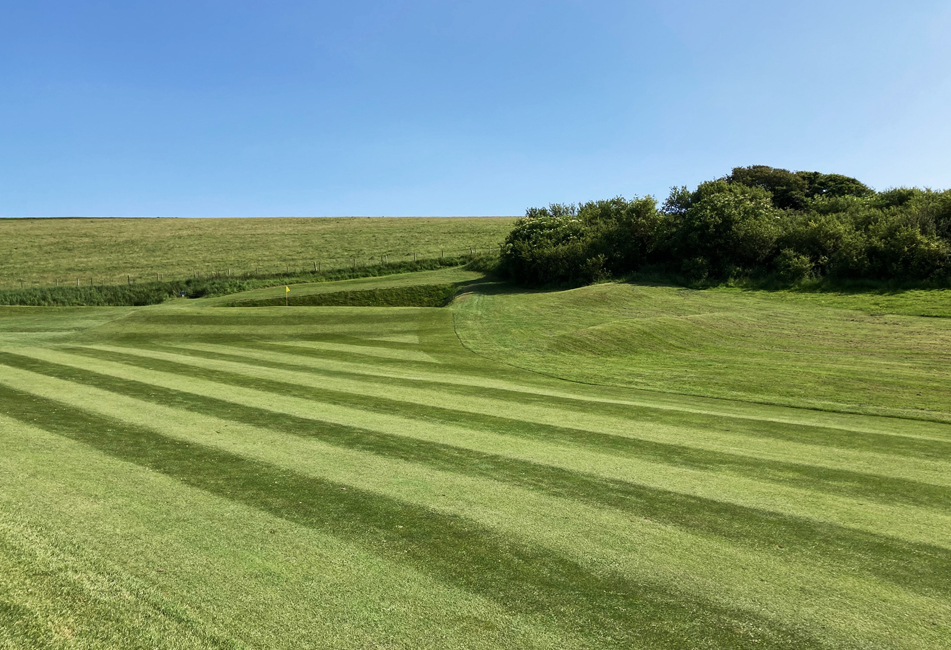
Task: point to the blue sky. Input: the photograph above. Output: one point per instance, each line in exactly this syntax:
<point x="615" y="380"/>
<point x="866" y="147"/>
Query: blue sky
<point x="240" y="108"/>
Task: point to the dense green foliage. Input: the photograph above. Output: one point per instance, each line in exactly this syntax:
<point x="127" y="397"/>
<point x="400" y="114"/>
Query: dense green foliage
<point x="758" y="221"/>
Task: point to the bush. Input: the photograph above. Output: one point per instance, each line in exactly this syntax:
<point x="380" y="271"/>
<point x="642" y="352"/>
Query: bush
<point x="732" y="227"/>
<point x="788" y="190"/>
<point x="793" y="267"/>
<point x="568" y="244"/>
<point x="758" y="220"/>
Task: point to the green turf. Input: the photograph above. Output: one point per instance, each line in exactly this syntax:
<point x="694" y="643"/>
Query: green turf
<point x="42" y="252"/>
<point x="827" y="351"/>
<point x="187" y="476"/>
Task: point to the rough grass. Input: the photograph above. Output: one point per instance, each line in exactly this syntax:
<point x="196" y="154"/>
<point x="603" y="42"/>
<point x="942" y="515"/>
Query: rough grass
<point x="184" y="476"/>
<point x="40" y="252"/>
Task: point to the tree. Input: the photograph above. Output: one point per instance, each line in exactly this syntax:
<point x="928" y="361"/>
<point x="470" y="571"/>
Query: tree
<point x="788" y="189"/>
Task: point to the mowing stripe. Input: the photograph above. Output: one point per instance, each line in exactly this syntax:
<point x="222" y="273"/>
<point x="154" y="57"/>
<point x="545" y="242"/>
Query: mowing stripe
<point x="870" y="475"/>
<point x="926" y="448"/>
<point x="369" y="351"/>
<point x="466" y="374"/>
<point x="605" y="536"/>
<point x="460" y="552"/>
<point x="856" y="552"/>
<point x="906" y="522"/>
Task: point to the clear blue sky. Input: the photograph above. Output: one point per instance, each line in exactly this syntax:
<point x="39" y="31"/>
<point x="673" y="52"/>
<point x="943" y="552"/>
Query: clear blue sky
<point x="239" y="108"/>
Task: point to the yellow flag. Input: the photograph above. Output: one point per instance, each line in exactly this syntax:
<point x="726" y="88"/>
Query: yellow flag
<point x="287" y="289"/>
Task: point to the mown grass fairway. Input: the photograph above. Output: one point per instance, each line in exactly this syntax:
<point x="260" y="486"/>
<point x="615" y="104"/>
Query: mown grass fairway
<point x="192" y="475"/>
<point x="43" y="251"/>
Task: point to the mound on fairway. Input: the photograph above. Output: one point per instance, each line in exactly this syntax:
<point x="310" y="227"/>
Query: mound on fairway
<point x="863" y="352"/>
<point x="423" y="289"/>
<point x="186" y="476"/>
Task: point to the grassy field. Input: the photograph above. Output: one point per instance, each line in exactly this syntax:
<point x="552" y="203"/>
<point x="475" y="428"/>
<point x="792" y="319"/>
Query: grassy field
<point x="189" y="475"/>
<point x="41" y="252"/>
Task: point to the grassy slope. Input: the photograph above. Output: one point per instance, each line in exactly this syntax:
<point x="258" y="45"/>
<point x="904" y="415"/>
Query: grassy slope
<point x="405" y="281"/>
<point x="178" y="476"/>
<point x="45" y="250"/>
<point x="816" y="350"/>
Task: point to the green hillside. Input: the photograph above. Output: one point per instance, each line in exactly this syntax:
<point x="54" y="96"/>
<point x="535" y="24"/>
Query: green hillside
<point x="42" y="252"/>
<point x="192" y="475"/>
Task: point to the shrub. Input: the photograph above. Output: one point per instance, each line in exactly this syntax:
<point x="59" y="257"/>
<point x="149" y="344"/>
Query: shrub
<point x="793" y="267"/>
<point x="568" y="244"/>
<point x="730" y="226"/>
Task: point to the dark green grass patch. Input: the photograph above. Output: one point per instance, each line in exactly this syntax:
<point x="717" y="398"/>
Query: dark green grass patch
<point x="427" y="295"/>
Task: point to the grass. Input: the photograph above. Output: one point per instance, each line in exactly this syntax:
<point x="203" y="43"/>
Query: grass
<point x="42" y="252"/>
<point x="183" y="475"/>
<point x="153" y="293"/>
<point x="422" y="289"/>
<point x="857" y="352"/>
<point x="429" y="295"/>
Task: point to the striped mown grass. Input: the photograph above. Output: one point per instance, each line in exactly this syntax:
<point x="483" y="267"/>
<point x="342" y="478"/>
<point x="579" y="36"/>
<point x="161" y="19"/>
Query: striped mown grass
<point x="188" y="476"/>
